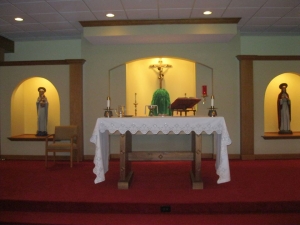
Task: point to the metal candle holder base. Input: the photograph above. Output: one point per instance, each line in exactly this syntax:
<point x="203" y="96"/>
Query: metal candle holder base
<point x="212" y="112"/>
<point x="108" y="112"/>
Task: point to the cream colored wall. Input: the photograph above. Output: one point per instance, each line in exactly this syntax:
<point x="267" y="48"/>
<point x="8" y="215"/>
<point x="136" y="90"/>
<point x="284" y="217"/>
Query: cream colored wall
<point x="270" y="106"/>
<point x="142" y="80"/>
<point x="17" y="115"/>
<point x="10" y="79"/>
<point x="264" y="73"/>
<point x="270" y="45"/>
<point x="220" y="56"/>
<point x="45" y="50"/>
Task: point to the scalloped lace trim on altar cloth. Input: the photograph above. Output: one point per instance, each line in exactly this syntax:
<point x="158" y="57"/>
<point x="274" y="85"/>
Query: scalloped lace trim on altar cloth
<point x="156" y="125"/>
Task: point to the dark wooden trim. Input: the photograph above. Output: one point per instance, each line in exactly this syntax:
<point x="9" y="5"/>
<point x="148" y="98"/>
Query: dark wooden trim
<point x="76" y="102"/>
<point x="246" y="108"/>
<point x="35" y="157"/>
<point x="276" y="136"/>
<point x="99" y="23"/>
<point x="268" y="57"/>
<point x="117" y="157"/>
<point x="277" y="156"/>
<point x="203" y="156"/>
<point x="28" y="137"/>
<point x="7" y="45"/>
<point x="43" y="62"/>
<point x="2" y="55"/>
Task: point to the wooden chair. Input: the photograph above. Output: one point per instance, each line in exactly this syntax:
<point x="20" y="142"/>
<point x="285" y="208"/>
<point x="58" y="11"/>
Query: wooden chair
<point x="64" y="140"/>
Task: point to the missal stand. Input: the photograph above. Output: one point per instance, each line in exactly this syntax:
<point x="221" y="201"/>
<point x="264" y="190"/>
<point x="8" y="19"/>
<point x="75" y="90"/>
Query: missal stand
<point x="184" y="105"/>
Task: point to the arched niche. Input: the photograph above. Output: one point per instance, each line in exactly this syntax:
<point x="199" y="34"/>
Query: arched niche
<point x="23" y="106"/>
<point x="247" y="72"/>
<point x="184" y="79"/>
<point x="270" y="103"/>
<point x="75" y="75"/>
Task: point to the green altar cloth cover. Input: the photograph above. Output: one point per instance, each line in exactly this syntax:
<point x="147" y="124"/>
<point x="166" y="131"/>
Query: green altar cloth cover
<point x="161" y="98"/>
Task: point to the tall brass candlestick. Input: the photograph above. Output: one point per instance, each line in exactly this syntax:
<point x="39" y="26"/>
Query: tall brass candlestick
<point x="135" y="105"/>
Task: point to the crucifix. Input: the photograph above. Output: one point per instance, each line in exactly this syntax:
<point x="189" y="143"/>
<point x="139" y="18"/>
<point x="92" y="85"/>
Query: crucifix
<point x="160" y="66"/>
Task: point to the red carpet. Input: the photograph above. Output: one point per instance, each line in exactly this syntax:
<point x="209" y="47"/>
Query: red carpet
<point x="265" y="186"/>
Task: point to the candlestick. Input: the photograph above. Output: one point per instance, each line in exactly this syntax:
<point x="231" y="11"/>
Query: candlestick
<point x="108" y="102"/>
<point x="135" y="105"/>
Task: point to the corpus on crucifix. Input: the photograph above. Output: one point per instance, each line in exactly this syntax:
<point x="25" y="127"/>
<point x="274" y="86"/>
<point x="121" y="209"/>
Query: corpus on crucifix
<point x="161" y="98"/>
<point x="160" y="67"/>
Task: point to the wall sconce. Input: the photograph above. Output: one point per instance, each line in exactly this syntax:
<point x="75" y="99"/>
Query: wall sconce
<point x="212" y="110"/>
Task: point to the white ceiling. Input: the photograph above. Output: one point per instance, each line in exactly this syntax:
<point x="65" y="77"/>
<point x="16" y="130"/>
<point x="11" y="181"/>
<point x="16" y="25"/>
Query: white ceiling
<point x="59" y="19"/>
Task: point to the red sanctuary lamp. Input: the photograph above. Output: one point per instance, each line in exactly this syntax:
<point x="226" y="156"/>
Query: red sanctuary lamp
<point x="204" y="93"/>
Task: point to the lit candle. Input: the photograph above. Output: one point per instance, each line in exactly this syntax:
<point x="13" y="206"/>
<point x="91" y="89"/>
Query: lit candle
<point x="204" y="90"/>
<point x="108" y="102"/>
<point x="212" y="101"/>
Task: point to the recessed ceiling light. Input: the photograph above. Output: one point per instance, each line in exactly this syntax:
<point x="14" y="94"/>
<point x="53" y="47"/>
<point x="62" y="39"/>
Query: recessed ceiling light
<point x="18" y="19"/>
<point x="207" y="12"/>
<point x="110" y="15"/>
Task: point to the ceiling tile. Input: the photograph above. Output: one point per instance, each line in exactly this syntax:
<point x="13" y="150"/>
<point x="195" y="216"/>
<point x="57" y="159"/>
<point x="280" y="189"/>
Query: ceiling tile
<point x="9" y="28"/>
<point x="288" y="21"/>
<point x="262" y="21"/>
<point x="3" y="22"/>
<point x="26" y="19"/>
<point x="240" y="12"/>
<point x="99" y="5"/>
<point x="247" y="3"/>
<point x="18" y="35"/>
<point x="210" y="4"/>
<point x="32" y="27"/>
<point x="24" y="1"/>
<point x="7" y="9"/>
<point x="49" y="17"/>
<point x="139" y="4"/>
<point x="35" y="7"/>
<point x="45" y="33"/>
<point x="272" y="12"/>
<point x="175" y="13"/>
<point x="69" y="6"/>
<point x="294" y="13"/>
<point x="175" y="4"/>
<point x="142" y="14"/>
<point x="78" y="16"/>
<point x="58" y="26"/>
<point x="119" y="15"/>
<point x="198" y="13"/>
<point x="282" y="3"/>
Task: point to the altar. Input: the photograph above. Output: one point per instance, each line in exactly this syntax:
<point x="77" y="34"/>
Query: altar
<point x="127" y="126"/>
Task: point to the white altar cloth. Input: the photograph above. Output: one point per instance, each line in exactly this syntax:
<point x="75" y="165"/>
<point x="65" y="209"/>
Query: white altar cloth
<point x="155" y="125"/>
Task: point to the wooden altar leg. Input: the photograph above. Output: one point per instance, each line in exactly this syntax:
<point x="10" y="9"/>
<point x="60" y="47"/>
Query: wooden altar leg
<point x="196" y="177"/>
<point x="125" y="166"/>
